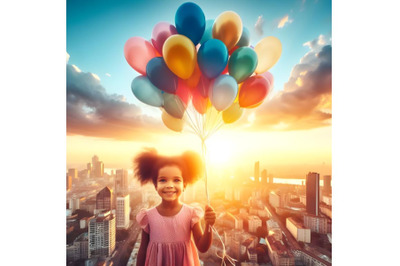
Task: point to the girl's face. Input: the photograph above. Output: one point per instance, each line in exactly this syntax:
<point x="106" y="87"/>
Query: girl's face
<point x="170" y="183"/>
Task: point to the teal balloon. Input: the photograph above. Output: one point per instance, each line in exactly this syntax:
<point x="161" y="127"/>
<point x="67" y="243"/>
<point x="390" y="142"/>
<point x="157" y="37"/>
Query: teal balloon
<point x="146" y="92"/>
<point x="173" y="105"/>
<point x="245" y="38"/>
<point x="223" y="92"/>
<point x="208" y="31"/>
<point x="242" y="63"/>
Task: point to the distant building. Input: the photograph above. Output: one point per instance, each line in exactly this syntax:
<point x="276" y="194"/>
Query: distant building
<point x="73" y="172"/>
<point x="327" y="200"/>
<point x="122" y="212"/>
<point x="121" y="182"/>
<point x="327" y="210"/>
<point x="317" y="224"/>
<point x="254" y="223"/>
<point x="298" y="230"/>
<point x="252" y="254"/>
<point x="98" y="167"/>
<point x="279" y="253"/>
<point x="327" y="184"/>
<point x="275" y="199"/>
<point x="312" y="193"/>
<point x="74" y="203"/>
<point x="79" y="248"/>
<point x="257" y="172"/>
<point x="238" y="223"/>
<point x="102" y="235"/>
<point x="104" y="199"/>
<point x="264" y="178"/>
<point x="69" y="182"/>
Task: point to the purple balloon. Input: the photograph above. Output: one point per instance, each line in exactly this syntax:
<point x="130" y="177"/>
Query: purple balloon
<point x="161" y="32"/>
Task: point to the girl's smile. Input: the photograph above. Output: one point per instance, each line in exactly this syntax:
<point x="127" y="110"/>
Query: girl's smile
<point x="170" y="183"/>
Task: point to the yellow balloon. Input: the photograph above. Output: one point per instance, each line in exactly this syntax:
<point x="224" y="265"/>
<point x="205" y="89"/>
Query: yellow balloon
<point x="180" y="55"/>
<point x="171" y="122"/>
<point x="268" y="51"/>
<point x="228" y="28"/>
<point x="232" y="114"/>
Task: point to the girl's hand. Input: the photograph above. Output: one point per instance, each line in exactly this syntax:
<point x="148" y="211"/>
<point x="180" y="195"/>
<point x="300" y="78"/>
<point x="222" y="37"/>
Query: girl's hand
<point x="209" y="215"/>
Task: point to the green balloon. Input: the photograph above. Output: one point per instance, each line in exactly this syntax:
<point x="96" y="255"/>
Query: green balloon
<point x="242" y="63"/>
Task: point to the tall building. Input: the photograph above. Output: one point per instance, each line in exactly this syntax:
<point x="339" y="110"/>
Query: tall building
<point x="69" y="182"/>
<point x="73" y="172"/>
<point x="104" y="199"/>
<point x="257" y="172"/>
<point x="254" y="223"/>
<point x="101" y="235"/>
<point x="98" y="167"/>
<point x="74" y="203"/>
<point x="298" y="230"/>
<point x="264" y="178"/>
<point x="121" y="182"/>
<point x="122" y="212"/>
<point x="312" y="193"/>
<point x="327" y="184"/>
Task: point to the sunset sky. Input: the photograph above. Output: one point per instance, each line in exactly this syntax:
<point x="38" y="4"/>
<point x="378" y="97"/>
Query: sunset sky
<point x="290" y="133"/>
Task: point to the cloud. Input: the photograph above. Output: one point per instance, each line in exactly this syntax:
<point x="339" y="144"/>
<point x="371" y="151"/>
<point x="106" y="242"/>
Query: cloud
<point x="91" y="111"/>
<point x="67" y="57"/>
<point x="108" y="75"/>
<point x="283" y="21"/>
<point x="258" y="27"/>
<point x="305" y="101"/>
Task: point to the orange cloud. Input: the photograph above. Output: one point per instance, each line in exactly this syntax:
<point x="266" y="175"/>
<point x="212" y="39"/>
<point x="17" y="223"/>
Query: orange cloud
<point x="305" y="101"/>
<point x="284" y="21"/>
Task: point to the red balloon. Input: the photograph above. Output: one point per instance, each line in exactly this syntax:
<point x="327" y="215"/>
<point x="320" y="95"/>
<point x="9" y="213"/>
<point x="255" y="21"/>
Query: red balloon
<point x="225" y="70"/>
<point x="183" y="91"/>
<point x="200" y="102"/>
<point x="253" y="91"/>
<point x="138" y="53"/>
<point x="204" y="85"/>
<point x="233" y="49"/>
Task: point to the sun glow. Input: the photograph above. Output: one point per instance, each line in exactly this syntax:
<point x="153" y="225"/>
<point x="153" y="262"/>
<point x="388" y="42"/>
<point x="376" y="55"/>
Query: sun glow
<point x="219" y="151"/>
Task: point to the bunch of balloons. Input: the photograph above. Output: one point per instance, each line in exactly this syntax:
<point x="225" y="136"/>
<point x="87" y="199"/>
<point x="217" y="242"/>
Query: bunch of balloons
<point x="206" y="66"/>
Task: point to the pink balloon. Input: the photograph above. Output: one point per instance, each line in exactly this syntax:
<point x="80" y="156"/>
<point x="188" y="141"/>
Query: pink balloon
<point x="269" y="77"/>
<point x="138" y="53"/>
<point x="161" y="32"/>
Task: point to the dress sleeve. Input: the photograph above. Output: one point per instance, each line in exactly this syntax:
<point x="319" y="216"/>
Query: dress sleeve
<point x="197" y="214"/>
<point x="143" y="220"/>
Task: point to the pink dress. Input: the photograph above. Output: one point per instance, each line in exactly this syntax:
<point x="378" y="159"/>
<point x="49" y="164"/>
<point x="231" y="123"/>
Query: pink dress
<point x="170" y="241"/>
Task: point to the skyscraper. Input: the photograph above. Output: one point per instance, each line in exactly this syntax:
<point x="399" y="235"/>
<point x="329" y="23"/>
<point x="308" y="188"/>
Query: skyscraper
<point x="98" y="167"/>
<point x="257" y="172"/>
<point x="121" y="182"/>
<point x="312" y="193"/>
<point x="101" y="234"/>
<point x="73" y="172"/>
<point x="104" y="199"/>
<point x="264" y="176"/>
<point x="69" y="182"/>
<point x="122" y="211"/>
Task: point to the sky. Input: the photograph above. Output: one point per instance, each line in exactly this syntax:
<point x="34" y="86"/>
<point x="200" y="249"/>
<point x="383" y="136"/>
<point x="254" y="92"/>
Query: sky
<point x="291" y="128"/>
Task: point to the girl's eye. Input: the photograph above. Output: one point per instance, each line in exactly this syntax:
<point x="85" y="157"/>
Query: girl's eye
<point x="161" y="180"/>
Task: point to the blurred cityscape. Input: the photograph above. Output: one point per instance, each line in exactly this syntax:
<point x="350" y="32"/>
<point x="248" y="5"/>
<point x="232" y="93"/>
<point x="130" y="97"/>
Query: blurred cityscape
<point x="261" y="221"/>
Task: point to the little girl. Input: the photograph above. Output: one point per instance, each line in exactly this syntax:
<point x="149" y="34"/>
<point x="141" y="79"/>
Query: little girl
<point x="168" y="227"/>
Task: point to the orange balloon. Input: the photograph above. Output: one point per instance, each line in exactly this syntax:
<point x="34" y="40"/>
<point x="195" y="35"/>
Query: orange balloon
<point x="194" y="78"/>
<point x="180" y="55"/>
<point x="200" y="103"/>
<point x="228" y="28"/>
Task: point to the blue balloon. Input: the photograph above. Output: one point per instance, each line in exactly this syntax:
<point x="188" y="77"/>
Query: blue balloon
<point x="208" y="31"/>
<point x="212" y="58"/>
<point x="190" y="21"/>
<point x="245" y="38"/>
<point x="146" y="92"/>
<point x="159" y="74"/>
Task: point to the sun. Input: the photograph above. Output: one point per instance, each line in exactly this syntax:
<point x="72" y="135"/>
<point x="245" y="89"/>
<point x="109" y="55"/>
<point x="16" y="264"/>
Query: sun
<point x="219" y="151"/>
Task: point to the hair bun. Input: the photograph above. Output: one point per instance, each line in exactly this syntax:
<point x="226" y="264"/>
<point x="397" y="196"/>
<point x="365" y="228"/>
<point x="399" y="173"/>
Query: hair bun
<point x="194" y="164"/>
<point x="143" y="165"/>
